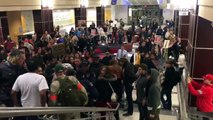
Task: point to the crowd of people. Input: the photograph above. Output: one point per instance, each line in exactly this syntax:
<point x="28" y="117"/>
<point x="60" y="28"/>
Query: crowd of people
<point x="31" y="76"/>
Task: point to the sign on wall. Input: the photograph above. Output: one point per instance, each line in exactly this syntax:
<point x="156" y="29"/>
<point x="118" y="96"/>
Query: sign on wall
<point x="63" y="17"/>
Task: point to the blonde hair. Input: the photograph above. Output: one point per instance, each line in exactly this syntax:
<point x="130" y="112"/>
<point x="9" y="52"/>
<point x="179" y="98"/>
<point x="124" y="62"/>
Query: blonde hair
<point x="15" y="56"/>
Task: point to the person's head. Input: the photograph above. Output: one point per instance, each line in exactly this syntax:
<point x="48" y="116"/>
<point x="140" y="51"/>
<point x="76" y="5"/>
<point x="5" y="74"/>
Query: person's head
<point x="122" y="61"/>
<point x="181" y="51"/>
<point x="59" y="70"/>
<point x="17" y="57"/>
<point x="77" y="61"/>
<point x="85" y="66"/>
<point x="96" y="58"/>
<point x="169" y="63"/>
<point x="32" y="66"/>
<point x="122" y="47"/>
<point x="103" y="70"/>
<point x="153" y="56"/>
<point x="143" y="43"/>
<point x="208" y="79"/>
<point x="137" y="50"/>
<point x="142" y="69"/>
<point x="39" y="71"/>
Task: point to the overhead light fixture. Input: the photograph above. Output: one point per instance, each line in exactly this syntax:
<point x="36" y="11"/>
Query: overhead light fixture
<point x="47" y="3"/>
<point x="104" y="3"/>
<point x="84" y="3"/>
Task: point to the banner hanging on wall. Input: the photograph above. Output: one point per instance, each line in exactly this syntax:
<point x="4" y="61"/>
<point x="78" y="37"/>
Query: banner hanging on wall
<point x="63" y="17"/>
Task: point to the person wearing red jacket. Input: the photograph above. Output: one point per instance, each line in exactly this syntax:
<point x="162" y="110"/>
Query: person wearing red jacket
<point x="204" y="93"/>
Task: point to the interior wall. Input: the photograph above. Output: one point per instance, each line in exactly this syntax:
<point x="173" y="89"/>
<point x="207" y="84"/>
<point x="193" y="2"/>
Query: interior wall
<point x="15" y="24"/>
<point x="206" y="9"/>
<point x="108" y="13"/>
<point x="91" y="16"/>
<point x="121" y="11"/>
<point x="168" y="14"/>
<point x="15" y="5"/>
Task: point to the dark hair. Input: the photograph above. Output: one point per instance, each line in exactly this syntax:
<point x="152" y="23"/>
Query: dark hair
<point x="143" y="66"/>
<point x="32" y="65"/>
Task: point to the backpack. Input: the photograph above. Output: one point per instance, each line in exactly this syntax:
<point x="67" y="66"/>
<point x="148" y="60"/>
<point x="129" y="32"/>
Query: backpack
<point x="69" y="93"/>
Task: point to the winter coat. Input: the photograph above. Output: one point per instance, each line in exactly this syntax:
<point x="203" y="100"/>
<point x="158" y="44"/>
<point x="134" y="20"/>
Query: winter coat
<point x="153" y="98"/>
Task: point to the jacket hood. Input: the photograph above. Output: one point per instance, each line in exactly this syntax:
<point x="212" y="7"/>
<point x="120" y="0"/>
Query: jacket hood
<point x="112" y="77"/>
<point x="154" y="76"/>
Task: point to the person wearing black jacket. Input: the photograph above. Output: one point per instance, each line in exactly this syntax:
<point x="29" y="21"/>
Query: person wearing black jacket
<point x="9" y="71"/>
<point x="141" y="84"/>
<point x="128" y="79"/>
<point x="168" y="85"/>
<point x="129" y="35"/>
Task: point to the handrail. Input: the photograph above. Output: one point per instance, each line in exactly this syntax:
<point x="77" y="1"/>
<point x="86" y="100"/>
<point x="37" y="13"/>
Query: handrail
<point x="6" y="112"/>
<point x="196" y="115"/>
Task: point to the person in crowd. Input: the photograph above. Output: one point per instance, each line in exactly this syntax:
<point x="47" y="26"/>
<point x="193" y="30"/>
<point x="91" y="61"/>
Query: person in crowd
<point x="159" y="31"/>
<point x="153" y="95"/>
<point x="168" y="84"/>
<point x="128" y="78"/>
<point x="67" y="91"/>
<point x="114" y="34"/>
<point x="9" y="71"/>
<point x="38" y="57"/>
<point x="106" y="59"/>
<point x="203" y="92"/>
<point x="143" y="48"/>
<point x="120" y="36"/>
<point x="109" y="33"/>
<point x="96" y="65"/>
<point x="87" y="79"/>
<point x="141" y="84"/>
<point x="33" y="87"/>
<point x="46" y="36"/>
<point x="118" y="85"/>
<point x="49" y="69"/>
<point x="72" y="92"/>
<point x="122" y="53"/>
<point x="129" y="35"/>
<point x="9" y="44"/>
<point x="105" y="80"/>
<point x="3" y="55"/>
<point x="181" y="61"/>
<point x="136" y="58"/>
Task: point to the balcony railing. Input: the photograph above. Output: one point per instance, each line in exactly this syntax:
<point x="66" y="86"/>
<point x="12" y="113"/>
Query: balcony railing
<point x="53" y="113"/>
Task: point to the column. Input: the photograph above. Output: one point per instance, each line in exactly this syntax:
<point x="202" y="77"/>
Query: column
<point x="183" y="29"/>
<point x="80" y="15"/>
<point x="43" y="21"/>
<point x="100" y="15"/>
<point x="4" y="31"/>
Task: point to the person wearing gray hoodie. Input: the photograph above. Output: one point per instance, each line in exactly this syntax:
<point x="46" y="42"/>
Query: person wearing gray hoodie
<point x="153" y="95"/>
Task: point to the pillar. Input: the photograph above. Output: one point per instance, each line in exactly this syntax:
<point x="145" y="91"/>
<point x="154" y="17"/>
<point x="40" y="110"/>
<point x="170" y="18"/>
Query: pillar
<point x="43" y="21"/>
<point x="100" y="15"/>
<point x="80" y="15"/>
<point x="4" y="31"/>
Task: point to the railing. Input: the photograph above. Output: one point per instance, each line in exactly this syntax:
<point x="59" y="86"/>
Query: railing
<point x="187" y="112"/>
<point x="53" y="113"/>
<point x="196" y="115"/>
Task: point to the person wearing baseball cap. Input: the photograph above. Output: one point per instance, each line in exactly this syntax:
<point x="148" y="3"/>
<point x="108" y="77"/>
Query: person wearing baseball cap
<point x="203" y="92"/>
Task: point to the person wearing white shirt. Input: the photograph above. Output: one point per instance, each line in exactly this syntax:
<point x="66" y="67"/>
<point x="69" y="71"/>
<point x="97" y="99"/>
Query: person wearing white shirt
<point x="181" y="61"/>
<point x="33" y="87"/>
<point x="122" y="53"/>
